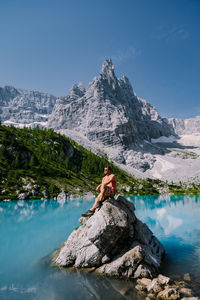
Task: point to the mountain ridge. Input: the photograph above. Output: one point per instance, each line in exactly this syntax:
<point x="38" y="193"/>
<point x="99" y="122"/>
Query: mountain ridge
<point x="107" y="117"/>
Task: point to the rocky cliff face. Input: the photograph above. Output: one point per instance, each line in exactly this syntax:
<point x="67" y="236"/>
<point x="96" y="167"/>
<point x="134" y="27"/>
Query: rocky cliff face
<point x="110" y="115"/>
<point x="25" y="107"/>
<point x="108" y="112"/>
<point x="113" y="242"/>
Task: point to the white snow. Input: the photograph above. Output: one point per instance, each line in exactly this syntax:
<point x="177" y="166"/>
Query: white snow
<point x="190" y="139"/>
<point x="175" y="167"/>
<point x="22" y="125"/>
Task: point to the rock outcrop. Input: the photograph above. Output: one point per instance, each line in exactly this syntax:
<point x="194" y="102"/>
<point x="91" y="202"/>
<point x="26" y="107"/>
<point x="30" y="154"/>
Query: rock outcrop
<point x="112" y="242"/>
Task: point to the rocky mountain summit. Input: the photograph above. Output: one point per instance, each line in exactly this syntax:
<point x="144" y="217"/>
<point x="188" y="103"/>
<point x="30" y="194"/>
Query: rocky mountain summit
<point x="113" y="242"/>
<point x="109" y="113"/>
<point x="20" y="107"/>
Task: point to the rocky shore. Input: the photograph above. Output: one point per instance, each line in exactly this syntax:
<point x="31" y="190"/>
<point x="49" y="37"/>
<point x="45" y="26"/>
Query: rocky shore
<point x="165" y="288"/>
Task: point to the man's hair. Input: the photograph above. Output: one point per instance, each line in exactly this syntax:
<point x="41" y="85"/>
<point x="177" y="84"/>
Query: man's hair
<point x="108" y="167"/>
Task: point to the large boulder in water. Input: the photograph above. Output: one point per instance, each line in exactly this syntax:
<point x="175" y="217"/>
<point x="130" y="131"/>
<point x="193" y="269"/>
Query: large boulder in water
<point x="113" y="242"/>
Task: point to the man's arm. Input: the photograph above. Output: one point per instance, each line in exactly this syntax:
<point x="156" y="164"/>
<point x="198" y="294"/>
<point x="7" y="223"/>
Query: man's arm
<point x="98" y="188"/>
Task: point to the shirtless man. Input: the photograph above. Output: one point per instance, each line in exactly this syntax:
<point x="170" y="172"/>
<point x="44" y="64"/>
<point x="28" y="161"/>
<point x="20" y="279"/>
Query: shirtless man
<point x="108" y="188"/>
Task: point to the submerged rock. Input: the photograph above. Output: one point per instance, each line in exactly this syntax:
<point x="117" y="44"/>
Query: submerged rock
<point x="113" y="241"/>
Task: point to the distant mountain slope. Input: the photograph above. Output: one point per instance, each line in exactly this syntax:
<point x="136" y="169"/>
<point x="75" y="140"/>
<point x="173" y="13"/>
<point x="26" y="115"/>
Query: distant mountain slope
<point x="18" y="106"/>
<point x="187" y="126"/>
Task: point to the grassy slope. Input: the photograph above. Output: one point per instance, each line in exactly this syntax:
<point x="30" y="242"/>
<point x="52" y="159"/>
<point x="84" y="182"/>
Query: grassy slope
<point x="38" y="162"/>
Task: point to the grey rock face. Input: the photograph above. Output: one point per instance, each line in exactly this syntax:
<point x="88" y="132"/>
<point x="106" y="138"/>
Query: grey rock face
<point x="109" y="113"/>
<point x="187" y="126"/>
<point x="24" y="107"/>
<point x="113" y="241"/>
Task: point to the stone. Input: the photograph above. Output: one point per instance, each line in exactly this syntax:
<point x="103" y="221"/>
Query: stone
<point x="62" y="197"/>
<point x="144" y="281"/>
<point x="163" y="279"/>
<point x="168" y="293"/>
<point x="109" y="241"/>
<point x="124" y="265"/>
<point x="154" y="286"/>
<point x="105" y="259"/>
<point x="139" y="287"/>
<point x="187" y="277"/>
<point x="186" y="292"/>
<point x="144" y="271"/>
<point x="151" y="296"/>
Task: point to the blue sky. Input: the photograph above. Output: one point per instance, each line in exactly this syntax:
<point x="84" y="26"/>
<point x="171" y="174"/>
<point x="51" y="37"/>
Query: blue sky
<point x="48" y="45"/>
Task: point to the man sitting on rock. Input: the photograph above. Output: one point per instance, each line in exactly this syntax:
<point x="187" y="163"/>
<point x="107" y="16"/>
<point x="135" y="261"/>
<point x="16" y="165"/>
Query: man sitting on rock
<point x="108" y="188"/>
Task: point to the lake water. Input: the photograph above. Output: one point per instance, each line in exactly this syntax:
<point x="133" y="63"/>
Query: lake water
<point x="31" y="230"/>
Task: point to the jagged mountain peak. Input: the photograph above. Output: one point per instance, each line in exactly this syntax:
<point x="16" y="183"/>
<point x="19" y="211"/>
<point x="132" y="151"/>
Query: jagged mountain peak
<point x="107" y="75"/>
<point x="77" y="90"/>
<point x="107" y="67"/>
<point x="109" y="112"/>
<point x="8" y="92"/>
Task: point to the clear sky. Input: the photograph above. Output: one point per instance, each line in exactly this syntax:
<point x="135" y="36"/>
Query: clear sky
<point x="47" y="45"/>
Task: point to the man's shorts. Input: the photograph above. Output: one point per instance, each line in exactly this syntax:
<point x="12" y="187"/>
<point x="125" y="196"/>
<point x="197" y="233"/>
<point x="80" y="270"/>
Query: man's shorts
<point x="109" y="192"/>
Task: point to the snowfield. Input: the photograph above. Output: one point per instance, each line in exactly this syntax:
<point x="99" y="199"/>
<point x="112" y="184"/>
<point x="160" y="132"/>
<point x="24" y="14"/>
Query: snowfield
<point x="182" y="163"/>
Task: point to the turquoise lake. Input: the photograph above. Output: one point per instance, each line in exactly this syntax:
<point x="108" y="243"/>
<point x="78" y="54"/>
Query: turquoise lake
<point x="31" y="230"/>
